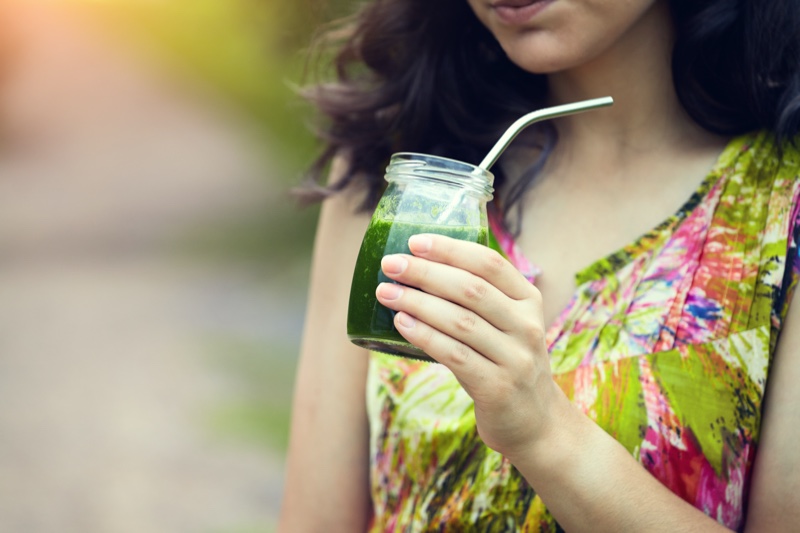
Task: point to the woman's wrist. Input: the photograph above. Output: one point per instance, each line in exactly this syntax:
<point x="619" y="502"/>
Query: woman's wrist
<point x="557" y="425"/>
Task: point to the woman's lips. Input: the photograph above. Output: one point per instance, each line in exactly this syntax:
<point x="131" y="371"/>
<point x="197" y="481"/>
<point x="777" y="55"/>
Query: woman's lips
<point x="518" y="12"/>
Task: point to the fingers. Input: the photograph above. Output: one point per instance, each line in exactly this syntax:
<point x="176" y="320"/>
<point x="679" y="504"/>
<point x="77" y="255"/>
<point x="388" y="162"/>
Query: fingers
<point x="479" y="260"/>
<point x="465" y="363"/>
<point x="467" y="294"/>
<point x="470" y="275"/>
<point x="452" y="331"/>
<point x="457" y="286"/>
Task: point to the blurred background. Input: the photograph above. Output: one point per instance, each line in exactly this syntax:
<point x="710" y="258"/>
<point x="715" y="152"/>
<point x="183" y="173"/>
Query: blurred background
<point x="152" y="263"/>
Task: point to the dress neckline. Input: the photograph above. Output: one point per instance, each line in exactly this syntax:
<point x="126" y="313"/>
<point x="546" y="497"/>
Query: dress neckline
<point x="618" y="259"/>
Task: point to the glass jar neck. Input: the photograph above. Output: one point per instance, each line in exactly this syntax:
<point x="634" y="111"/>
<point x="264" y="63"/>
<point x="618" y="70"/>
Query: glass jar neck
<point x="472" y="179"/>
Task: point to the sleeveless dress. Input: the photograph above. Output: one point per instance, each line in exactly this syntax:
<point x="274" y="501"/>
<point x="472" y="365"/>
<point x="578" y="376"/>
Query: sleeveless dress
<point x="666" y="344"/>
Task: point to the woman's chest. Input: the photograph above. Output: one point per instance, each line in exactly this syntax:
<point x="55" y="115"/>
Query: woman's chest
<point x="564" y="233"/>
<point x="575" y="214"/>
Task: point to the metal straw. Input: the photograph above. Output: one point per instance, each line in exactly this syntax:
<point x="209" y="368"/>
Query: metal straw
<point x="536" y="116"/>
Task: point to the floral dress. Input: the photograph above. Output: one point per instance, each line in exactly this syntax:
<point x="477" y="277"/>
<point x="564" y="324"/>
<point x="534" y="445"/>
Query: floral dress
<point x="666" y="345"/>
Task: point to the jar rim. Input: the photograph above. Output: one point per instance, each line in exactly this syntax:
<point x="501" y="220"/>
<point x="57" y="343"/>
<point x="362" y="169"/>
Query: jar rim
<point x="440" y="168"/>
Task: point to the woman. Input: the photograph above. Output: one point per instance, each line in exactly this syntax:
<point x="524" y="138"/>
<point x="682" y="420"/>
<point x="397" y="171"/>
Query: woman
<point x="630" y="396"/>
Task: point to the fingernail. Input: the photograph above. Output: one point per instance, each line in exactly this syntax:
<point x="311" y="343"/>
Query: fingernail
<point x="394" y="264"/>
<point x="420" y="243"/>
<point x="407" y="321"/>
<point x="389" y="291"/>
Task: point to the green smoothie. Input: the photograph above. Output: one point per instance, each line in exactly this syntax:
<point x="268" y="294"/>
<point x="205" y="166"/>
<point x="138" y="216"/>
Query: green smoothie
<point x="370" y="324"/>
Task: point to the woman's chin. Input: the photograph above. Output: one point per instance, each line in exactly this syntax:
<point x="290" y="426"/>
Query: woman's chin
<point x="542" y="62"/>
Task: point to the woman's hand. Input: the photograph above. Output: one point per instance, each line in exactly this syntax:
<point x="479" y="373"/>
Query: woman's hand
<point x="472" y="311"/>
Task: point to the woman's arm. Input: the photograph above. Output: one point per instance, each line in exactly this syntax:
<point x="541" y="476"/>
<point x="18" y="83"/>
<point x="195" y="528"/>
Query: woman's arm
<point x="774" y="503"/>
<point x="326" y="486"/>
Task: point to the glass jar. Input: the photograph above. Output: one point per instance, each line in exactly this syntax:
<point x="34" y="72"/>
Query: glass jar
<point x="426" y="194"/>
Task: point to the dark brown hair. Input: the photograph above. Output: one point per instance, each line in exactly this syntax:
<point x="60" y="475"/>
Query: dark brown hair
<point x="425" y="75"/>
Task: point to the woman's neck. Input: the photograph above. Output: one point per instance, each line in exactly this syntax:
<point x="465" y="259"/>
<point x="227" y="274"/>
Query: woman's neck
<point x="636" y="72"/>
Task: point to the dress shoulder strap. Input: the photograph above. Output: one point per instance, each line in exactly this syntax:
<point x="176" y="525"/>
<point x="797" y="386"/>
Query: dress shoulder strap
<point x="757" y="215"/>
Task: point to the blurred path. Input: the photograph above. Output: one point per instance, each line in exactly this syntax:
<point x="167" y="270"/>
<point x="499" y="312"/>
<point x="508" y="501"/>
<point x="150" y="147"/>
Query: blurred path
<point x="104" y="381"/>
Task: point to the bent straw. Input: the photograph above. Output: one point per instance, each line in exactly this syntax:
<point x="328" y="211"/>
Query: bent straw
<point x="537" y="116"/>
